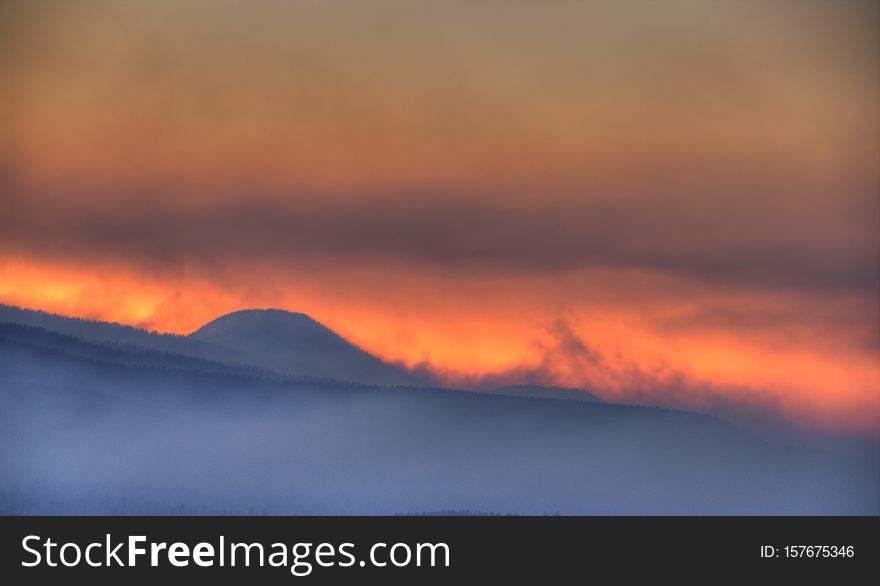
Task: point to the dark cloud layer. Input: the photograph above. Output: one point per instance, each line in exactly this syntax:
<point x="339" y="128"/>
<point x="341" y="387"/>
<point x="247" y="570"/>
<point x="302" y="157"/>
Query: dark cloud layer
<point x="752" y="240"/>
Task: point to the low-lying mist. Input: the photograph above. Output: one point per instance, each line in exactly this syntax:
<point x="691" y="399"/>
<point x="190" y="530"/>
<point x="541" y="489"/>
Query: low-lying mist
<point x="88" y="436"/>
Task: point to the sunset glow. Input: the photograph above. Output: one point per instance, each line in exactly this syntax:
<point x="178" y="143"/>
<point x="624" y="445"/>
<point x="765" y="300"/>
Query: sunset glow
<point x="673" y="206"/>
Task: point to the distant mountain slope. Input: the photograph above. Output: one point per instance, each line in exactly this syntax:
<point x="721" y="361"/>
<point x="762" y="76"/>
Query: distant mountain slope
<point x="88" y="428"/>
<point x="295" y="343"/>
<point x="100" y="331"/>
<point x="542" y="392"/>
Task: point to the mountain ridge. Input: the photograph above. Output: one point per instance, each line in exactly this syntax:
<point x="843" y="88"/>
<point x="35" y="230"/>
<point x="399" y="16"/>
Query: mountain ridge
<point x="212" y="341"/>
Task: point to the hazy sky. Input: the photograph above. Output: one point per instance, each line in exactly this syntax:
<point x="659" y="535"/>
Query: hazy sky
<point x="667" y="202"/>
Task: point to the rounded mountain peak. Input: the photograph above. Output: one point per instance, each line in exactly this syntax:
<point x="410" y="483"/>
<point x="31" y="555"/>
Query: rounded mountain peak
<point x="294" y="343"/>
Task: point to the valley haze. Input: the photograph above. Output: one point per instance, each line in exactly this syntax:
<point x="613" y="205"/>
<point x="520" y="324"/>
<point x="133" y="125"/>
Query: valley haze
<point x="267" y="411"/>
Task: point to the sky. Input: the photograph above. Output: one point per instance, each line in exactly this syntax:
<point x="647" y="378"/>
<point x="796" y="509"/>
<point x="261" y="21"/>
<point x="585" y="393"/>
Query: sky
<point x="666" y="203"/>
